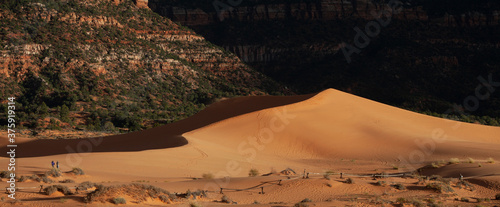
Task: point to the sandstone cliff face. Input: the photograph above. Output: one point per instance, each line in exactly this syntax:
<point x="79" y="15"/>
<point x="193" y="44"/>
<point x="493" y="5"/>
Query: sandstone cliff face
<point x="68" y="53"/>
<point x="413" y="61"/>
<point x="326" y="10"/>
<point x="319" y="10"/>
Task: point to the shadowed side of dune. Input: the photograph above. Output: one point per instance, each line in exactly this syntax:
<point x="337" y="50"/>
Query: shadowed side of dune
<point x="166" y="136"/>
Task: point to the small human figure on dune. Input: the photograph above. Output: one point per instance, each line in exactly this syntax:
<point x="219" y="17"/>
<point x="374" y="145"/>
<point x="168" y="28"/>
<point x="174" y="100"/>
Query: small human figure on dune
<point x="53" y="163"/>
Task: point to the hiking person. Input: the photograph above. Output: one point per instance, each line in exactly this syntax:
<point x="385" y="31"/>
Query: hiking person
<point x="57" y="164"/>
<point x="53" y="163"/>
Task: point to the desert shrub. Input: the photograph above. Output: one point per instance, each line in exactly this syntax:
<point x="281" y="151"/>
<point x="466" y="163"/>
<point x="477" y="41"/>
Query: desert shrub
<point x="435" y="165"/>
<point x="418" y="203"/>
<point x="99" y="191"/>
<point x="46" y="179"/>
<point x="440" y="187"/>
<point x="464" y="184"/>
<point x="303" y="203"/>
<point x="35" y="178"/>
<point x="253" y="172"/>
<point x="463" y="199"/>
<point x="497" y="196"/>
<point x="67" y="181"/>
<point x="470" y="160"/>
<point x="208" y="176"/>
<point x="164" y="199"/>
<point x="480" y="200"/>
<point x="54" y="173"/>
<point x="380" y="183"/>
<point x="53" y="188"/>
<point x="194" y="204"/>
<point x="86" y="185"/>
<point x="349" y="181"/>
<point x="119" y="200"/>
<point x="193" y="194"/>
<point x="454" y="161"/>
<point x="22" y="178"/>
<point x="401" y="200"/>
<point x="327" y="174"/>
<point x="5" y="174"/>
<point x="399" y="186"/>
<point x="306" y="200"/>
<point x="436" y="177"/>
<point x="77" y="171"/>
<point x="490" y="160"/>
<point x="225" y="199"/>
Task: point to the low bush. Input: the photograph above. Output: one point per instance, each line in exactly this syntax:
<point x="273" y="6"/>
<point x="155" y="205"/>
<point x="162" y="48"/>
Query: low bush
<point x="208" y="176"/>
<point x="119" y="200"/>
<point x="454" y="161"/>
<point x="399" y="186"/>
<point x="253" y="172"/>
<point x="225" y="199"/>
<point x="67" y="181"/>
<point x="53" y="188"/>
<point x="54" y="173"/>
<point x="5" y="174"/>
<point x="86" y="185"/>
<point x="440" y="187"/>
<point x="77" y="171"/>
<point x="349" y="181"/>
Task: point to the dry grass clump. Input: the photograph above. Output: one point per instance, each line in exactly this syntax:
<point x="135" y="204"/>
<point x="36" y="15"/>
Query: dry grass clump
<point x="490" y="160"/>
<point x="53" y="172"/>
<point x="208" y="176"/>
<point x="67" y="181"/>
<point x="5" y="174"/>
<point x="454" y="161"/>
<point x="399" y="186"/>
<point x="470" y="160"/>
<point x="225" y="199"/>
<point x="253" y="172"/>
<point x="349" y="181"/>
<point x="139" y="192"/>
<point x="440" y="187"/>
<point x="86" y="185"/>
<point x="61" y="188"/>
<point x="77" y="171"/>
<point x="303" y="203"/>
<point x="119" y="200"/>
<point x="36" y="178"/>
<point x="466" y="185"/>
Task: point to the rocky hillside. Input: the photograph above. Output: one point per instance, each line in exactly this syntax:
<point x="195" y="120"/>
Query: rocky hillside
<point x="111" y="64"/>
<point x="426" y="55"/>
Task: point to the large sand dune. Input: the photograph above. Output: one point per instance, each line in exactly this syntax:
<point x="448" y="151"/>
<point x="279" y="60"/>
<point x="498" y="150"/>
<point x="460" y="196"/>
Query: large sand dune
<point x="334" y="124"/>
<point x="331" y="130"/>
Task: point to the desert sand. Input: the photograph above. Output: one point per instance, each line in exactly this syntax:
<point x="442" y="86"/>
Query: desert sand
<point x="329" y="131"/>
